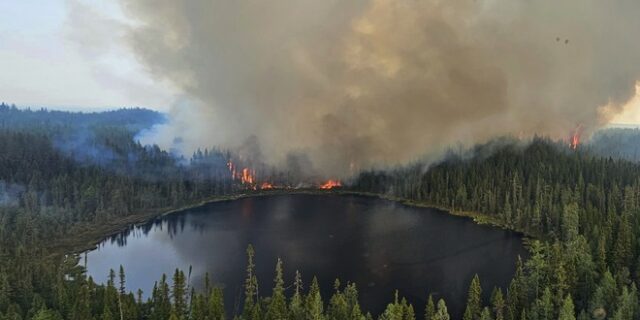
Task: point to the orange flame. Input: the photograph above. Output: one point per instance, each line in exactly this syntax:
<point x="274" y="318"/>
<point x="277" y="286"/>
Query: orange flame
<point x="246" y="175"/>
<point x="330" y="184"/>
<point x="266" y="186"/>
<point x="574" y="140"/>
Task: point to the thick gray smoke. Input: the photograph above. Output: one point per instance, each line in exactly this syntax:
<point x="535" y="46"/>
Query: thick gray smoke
<point x="364" y="82"/>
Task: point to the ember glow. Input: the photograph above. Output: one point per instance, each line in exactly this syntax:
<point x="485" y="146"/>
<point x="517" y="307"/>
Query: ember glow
<point x="266" y="186"/>
<point x="330" y="184"/>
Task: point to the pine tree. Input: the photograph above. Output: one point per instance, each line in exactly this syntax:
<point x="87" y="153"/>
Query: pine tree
<point x="570" y="222"/>
<point x="485" y="314"/>
<point x="627" y="304"/>
<point x="106" y="314"/>
<point x="250" y="285"/>
<point x="497" y="303"/>
<point x="296" y="306"/>
<point x="409" y="312"/>
<point x="216" y="305"/>
<point x="516" y="293"/>
<point x="544" y="305"/>
<point x="338" y="307"/>
<point x="198" y="307"/>
<point x="623" y="249"/>
<point x="430" y="309"/>
<point x="278" y="306"/>
<point x="314" y="304"/>
<point x="523" y="315"/>
<point x="474" y="300"/>
<point x="602" y="255"/>
<point x="122" y="281"/>
<point x="567" y="311"/>
<point x="122" y="292"/>
<point x="179" y="294"/>
<point x="442" y="313"/>
<point x="82" y="306"/>
<point x="394" y="310"/>
<point x="605" y="296"/>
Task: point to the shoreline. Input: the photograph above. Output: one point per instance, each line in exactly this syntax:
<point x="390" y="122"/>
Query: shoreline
<point x="87" y="240"/>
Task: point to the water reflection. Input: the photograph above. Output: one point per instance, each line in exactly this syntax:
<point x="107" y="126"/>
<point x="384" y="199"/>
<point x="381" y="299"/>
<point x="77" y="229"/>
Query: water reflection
<point x="379" y="245"/>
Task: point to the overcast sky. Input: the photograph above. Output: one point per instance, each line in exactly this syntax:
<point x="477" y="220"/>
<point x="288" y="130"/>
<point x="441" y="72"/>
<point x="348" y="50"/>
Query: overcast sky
<point x="49" y="59"/>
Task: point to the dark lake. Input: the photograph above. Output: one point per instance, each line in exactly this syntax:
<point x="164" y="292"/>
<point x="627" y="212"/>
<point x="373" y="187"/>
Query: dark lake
<point x="380" y="245"/>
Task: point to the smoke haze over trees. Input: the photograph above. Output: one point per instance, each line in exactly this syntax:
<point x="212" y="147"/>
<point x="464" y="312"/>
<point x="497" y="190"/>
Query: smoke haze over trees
<point x="375" y="82"/>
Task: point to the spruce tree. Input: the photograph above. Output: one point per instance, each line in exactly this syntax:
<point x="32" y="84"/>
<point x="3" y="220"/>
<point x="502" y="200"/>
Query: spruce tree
<point x="250" y="285"/>
<point x="278" y="305"/>
<point x="179" y="294"/>
<point x="313" y="304"/>
<point x="338" y="306"/>
<point x="296" y="306"/>
<point x="442" y="313"/>
<point x="497" y="303"/>
<point x="474" y="300"/>
<point x="485" y="314"/>
<point x="430" y="309"/>
<point x="570" y="222"/>
<point x="216" y="305"/>
<point x="623" y="249"/>
<point x="567" y="311"/>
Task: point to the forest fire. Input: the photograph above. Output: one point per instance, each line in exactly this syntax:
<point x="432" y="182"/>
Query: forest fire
<point x="247" y="178"/>
<point x="246" y="175"/>
<point x="266" y="186"/>
<point x="330" y="184"/>
<point x="574" y="140"/>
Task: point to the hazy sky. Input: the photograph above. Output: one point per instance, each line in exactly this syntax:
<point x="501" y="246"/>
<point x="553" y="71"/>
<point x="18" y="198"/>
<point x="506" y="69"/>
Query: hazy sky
<point x="49" y="59"/>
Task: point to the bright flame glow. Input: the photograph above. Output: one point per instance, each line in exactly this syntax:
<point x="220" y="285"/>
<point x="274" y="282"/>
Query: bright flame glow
<point x="574" y="140"/>
<point x="266" y="186"/>
<point x="330" y="184"/>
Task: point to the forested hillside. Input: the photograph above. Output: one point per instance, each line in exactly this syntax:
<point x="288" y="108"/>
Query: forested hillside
<point x="585" y="209"/>
<point x="65" y="176"/>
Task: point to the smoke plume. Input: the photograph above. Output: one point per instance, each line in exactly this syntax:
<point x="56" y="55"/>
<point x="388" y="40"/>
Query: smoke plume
<point x="374" y="82"/>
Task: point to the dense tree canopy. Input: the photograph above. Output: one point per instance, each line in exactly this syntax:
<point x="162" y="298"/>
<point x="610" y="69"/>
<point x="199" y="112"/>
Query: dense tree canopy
<point x="65" y="175"/>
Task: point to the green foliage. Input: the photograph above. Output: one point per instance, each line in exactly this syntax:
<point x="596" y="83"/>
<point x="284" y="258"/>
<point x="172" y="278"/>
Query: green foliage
<point x="486" y="314"/>
<point x="474" y="300"/>
<point x="567" y="311"/>
<point x="314" y="305"/>
<point x="497" y="303"/>
<point x="442" y="313"/>
<point x="278" y="305"/>
<point x="398" y="310"/>
<point x="430" y="309"/>
<point x="68" y="177"/>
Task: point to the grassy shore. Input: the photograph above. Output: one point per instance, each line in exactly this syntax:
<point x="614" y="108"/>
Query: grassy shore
<point x="87" y="236"/>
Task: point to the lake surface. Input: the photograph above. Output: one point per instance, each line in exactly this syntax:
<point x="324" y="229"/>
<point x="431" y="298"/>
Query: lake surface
<point x="380" y="245"/>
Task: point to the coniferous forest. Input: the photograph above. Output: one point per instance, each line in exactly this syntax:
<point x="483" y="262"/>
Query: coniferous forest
<point x="67" y="178"/>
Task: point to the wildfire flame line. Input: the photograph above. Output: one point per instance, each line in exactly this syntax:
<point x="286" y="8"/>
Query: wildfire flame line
<point x="247" y="178"/>
<point x="330" y="184"/>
